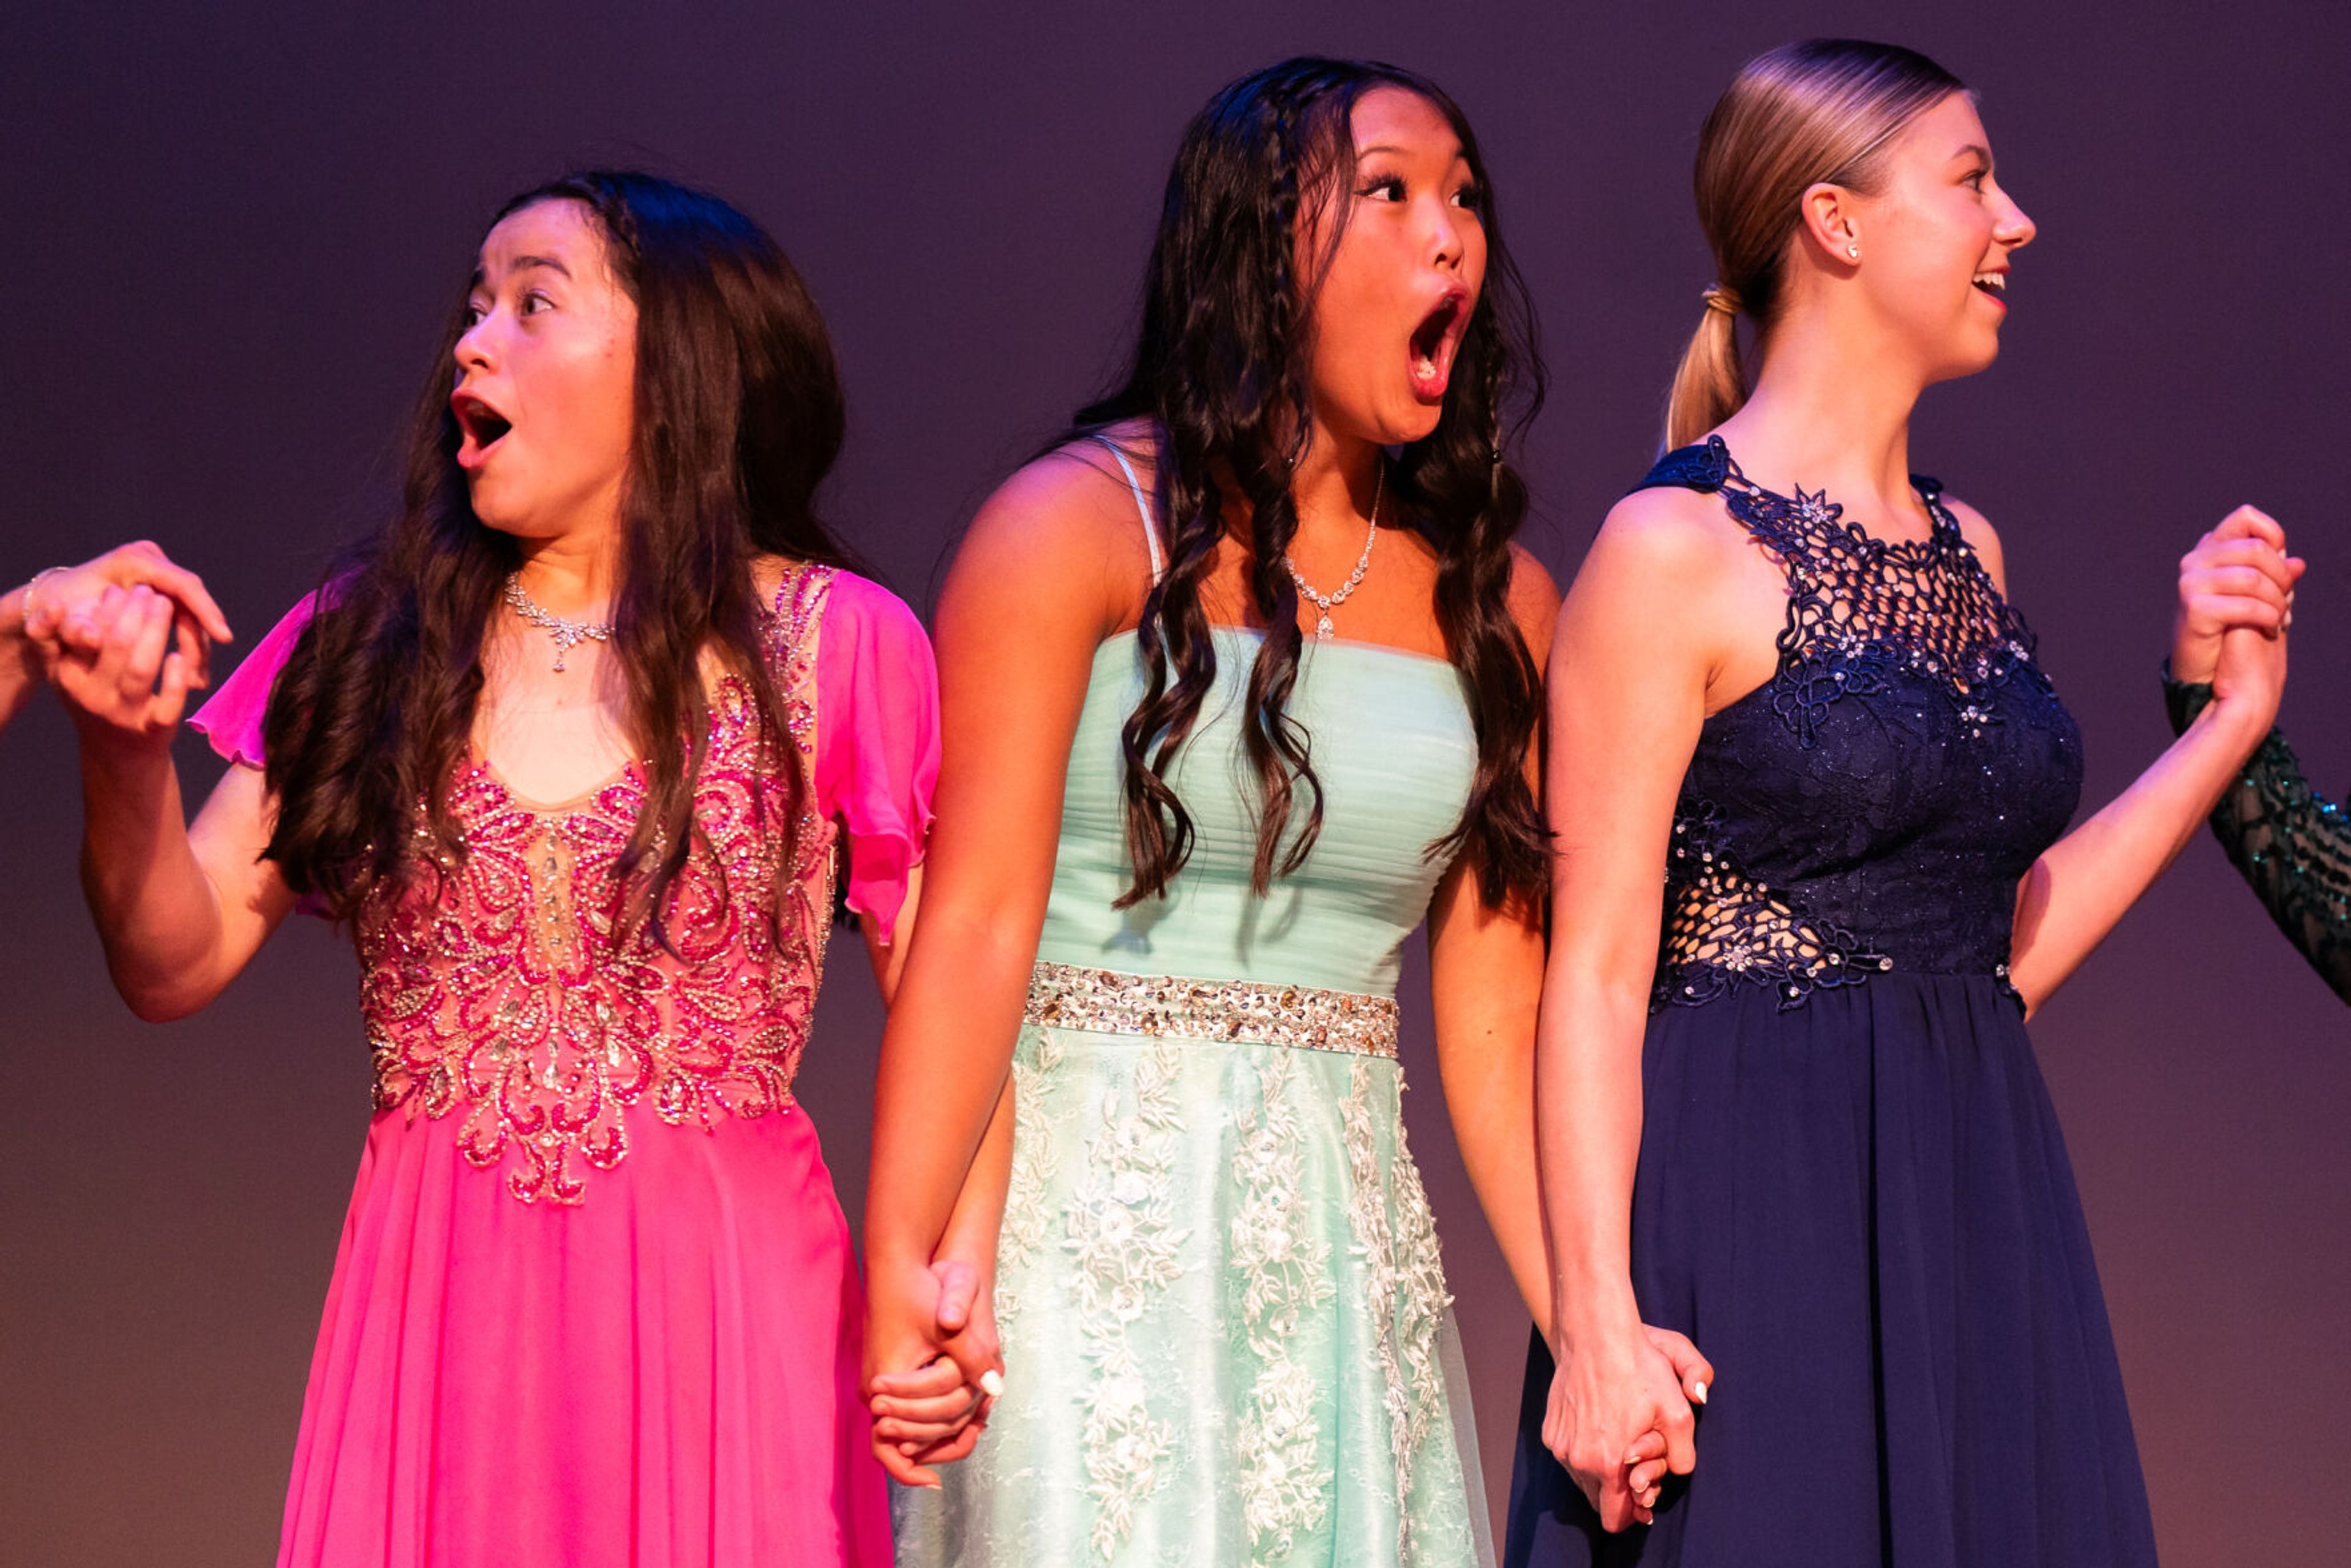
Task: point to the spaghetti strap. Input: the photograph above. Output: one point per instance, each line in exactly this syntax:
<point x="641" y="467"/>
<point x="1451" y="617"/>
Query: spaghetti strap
<point x="1142" y="503"/>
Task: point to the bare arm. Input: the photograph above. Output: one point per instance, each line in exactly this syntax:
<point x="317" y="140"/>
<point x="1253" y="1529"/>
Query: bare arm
<point x="970" y="1235"/>
<point x="2236" y="591"/>
<point x="1627" y="687"/>
<point x="1044" y="575"/>
<point x="1485" y="971"/>
<point x="889" y="958"/>
<point x="933" y="1417"/>
<point x="180" y="910"/>
<point x="1485" y="974"/>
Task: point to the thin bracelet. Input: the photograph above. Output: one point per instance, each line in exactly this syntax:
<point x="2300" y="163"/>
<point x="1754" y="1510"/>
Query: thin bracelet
<point x="32" y="588"/>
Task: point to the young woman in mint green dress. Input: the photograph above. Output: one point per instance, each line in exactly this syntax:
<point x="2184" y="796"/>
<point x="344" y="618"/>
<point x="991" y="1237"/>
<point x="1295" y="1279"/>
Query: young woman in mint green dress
<point x="1237" y="693"/>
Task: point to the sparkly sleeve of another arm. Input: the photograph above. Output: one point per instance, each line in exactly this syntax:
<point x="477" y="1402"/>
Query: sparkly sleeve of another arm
<point x="2292" y="845"/>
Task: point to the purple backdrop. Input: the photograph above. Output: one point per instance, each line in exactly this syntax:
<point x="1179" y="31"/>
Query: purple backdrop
<point x="231" y="241"/>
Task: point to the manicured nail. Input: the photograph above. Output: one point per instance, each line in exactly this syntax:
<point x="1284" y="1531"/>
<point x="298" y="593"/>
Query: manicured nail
<point x="992" y="1383"/>
<point x="1698" y="1391"/>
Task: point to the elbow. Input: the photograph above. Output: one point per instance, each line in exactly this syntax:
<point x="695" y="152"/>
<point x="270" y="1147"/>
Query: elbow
<point x="152" y="999"/>
<point x="1607" y="992"/>
<point x="155" y="1006"/>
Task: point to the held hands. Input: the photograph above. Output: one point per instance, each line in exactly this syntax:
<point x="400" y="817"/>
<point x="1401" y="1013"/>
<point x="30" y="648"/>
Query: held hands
<point x="105" y="631"/>
<point x="933" y="1366"/>
<point x="2236" y="601"/>
<point x="1620" y="1420"/>
<point x="61" y="609"/>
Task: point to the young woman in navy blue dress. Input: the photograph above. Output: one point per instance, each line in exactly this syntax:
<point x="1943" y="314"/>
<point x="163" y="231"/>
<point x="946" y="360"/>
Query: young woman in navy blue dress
<point x="1808" y="1130"/>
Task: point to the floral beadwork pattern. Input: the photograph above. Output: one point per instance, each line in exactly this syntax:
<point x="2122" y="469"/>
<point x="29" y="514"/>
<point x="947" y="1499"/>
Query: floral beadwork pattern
<point x="1124" y="1241"/>
<point x="1282" y="1274"/>
<point x="1405" y="1284"/>
<point x="496" y="987"/>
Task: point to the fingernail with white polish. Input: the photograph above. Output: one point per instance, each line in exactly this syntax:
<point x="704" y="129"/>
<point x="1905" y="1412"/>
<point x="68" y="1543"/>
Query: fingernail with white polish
<point x="992" y="1383"/>
<point x="1698" y="1391"/>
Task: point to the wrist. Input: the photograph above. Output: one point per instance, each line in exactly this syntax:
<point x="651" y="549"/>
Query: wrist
<point x="2183" y="700"/>
<point x="980" y="1260"/>
<point x="894" y="1259"/>
<point x="113" y="746"/>
<point x="1589" y="1316"/>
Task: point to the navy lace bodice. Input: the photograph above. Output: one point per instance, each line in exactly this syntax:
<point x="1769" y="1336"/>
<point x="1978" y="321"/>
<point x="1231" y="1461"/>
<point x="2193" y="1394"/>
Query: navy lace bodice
<point x="1872" y="807"/>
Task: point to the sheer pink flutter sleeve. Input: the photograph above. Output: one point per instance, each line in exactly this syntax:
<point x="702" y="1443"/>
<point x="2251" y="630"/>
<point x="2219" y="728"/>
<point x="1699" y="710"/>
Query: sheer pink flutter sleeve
<point x="877" y="741"/>
<point x="232" y="718"/>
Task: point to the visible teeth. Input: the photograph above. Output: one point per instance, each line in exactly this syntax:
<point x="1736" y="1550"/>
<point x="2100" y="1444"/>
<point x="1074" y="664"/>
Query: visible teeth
<point x="1425" y="367"/>
<point x="1993" y="281"/>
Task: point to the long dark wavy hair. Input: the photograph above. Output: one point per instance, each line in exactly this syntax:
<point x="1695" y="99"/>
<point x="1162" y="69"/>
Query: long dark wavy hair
<point x="1220" y="371"/>
<point x="737" y="418"/>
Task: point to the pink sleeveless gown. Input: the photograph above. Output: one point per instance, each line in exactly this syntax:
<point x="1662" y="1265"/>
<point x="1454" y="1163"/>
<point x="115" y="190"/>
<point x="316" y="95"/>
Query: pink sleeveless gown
<point x="595" y="1302"/>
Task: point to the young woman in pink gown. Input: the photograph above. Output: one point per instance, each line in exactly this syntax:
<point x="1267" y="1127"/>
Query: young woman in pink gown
<point x="578" y="746"/>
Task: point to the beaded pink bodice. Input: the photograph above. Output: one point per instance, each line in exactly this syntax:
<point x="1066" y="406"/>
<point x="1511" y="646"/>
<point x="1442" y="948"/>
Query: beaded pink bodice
<point x="496" y="992"/>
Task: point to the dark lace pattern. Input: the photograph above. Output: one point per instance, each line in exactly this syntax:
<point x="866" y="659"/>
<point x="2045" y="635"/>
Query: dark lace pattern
<point x="1724" y="927"/>
<point x="2291" y="844"/>
<point x="1871" y="806"/>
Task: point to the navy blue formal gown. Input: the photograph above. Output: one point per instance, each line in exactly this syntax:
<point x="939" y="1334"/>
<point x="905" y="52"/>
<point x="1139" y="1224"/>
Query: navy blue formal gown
<point x="1852" y="1192"/>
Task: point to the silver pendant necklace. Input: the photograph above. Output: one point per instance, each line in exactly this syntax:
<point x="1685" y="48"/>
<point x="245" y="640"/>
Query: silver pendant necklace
<point x="1326" y="602"/>
<point x="567" y="633"/>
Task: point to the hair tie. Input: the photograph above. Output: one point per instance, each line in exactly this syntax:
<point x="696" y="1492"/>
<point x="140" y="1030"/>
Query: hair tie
<point x="1717" y="298"/>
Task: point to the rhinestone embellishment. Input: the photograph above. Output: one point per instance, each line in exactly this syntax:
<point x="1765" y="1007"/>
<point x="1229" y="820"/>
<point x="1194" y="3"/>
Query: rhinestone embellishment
<point x="1255" y="1012"/>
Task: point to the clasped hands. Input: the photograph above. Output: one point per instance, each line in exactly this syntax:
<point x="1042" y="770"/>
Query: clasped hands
<point x="934" y="1365"/>
<point x="103" y="632"/>
<point x="1621" y="1418"/>
<point x="2236" y="603"/>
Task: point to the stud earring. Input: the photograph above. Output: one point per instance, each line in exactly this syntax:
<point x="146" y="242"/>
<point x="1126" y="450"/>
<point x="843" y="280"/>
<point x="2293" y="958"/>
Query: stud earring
<point x="1853" y="251"/>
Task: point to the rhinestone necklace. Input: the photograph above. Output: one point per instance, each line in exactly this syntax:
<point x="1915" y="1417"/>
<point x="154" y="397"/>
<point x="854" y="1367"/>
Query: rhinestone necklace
<point x="1326" y="602"/>
<point x="567" y="633"/>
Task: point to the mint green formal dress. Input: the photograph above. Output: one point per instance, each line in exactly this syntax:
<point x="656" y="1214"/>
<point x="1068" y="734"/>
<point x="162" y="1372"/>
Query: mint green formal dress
<point x="1226" y="1331"/>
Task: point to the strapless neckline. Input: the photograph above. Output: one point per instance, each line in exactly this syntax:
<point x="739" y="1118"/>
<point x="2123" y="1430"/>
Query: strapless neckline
<point x="1255" y="633"/>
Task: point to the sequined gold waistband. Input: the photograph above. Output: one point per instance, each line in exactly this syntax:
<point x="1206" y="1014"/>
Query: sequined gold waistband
<point x="1257" y="1012"/>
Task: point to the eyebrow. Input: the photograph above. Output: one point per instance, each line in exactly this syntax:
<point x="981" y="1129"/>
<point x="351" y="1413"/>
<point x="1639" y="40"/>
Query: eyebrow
<point x="1461" y="155"/>
<point x="524" y="263"/>
<point x="1977" y="147"/>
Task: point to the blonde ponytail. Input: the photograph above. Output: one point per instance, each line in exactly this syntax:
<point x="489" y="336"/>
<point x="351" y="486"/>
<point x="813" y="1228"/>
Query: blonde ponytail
<point x="1710" y="384"/>
<point x="1823" y="111"/>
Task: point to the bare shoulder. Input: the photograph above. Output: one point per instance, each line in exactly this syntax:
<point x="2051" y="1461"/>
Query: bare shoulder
<point x="1668" y="535"/>
<point x="1066" y="526"/>
<point x="1534" y="597"/>
<point x="1673" y="581"/>
<point x="1981" y="538"/>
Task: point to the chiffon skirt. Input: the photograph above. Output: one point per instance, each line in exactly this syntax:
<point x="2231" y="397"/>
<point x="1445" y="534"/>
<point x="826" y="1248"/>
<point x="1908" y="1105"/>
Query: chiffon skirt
<point x="1226" y="1334"/>
<point x="1862" y="1211"/>
<point x="666" y="1374"/>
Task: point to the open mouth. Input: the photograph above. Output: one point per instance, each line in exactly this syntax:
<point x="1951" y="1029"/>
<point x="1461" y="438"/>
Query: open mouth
<point x="1433" y="345"/>
<point x="1992" y="282"/>
<point x="480" y="427"/>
